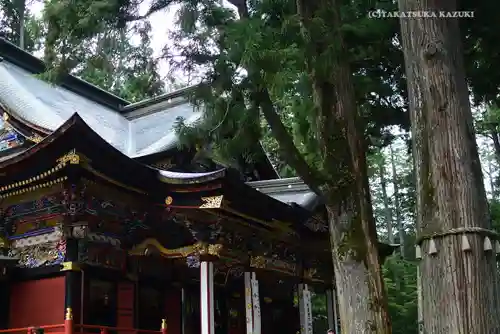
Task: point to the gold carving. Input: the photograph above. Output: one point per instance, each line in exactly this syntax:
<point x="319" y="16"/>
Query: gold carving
<point x="169" y="200"/>
<point x="36" y="138"/>
<point x="201" y="248"/>
<point x="310" y="273"/>
<point x="258" y="262"/>
<point x="32" y="188"/>
<point x="4" y="242"/>
<point x="164" y="164"/>
<point x="70" y="266"/>
<point x="215" y="249"/>
<point x="69" y="314"/>
<point x="141" y="249"/>
<point x="198" y="248"/>
<point x="163" y="323"/>
<point x="71" y="157"/>
<point x="212" y="202"/>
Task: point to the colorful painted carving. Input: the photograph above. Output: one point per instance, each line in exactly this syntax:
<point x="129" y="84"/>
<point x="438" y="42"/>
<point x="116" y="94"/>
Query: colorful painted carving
<point x="38" y="255"/>
<point x="9" y="138"/>
<point x="35" y="233"/>
<point x="111" y="218"/>
<point x="48" y="202"/>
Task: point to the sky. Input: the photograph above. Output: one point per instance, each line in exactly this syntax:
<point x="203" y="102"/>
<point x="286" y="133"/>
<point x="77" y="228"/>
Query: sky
<point x="162" y="24"/>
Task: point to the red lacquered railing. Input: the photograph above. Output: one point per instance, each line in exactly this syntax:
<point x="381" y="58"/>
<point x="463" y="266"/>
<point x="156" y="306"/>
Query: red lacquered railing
<point x="107" y="329"/>
<point x="29" y="330"/>
<point x="69" y="328"/>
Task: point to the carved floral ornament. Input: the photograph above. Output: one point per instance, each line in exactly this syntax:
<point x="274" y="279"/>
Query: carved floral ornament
<point x="212" y="202"/>
<point x="490" y="240"/>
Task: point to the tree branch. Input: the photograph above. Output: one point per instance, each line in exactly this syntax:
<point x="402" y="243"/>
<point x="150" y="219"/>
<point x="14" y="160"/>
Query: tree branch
<point x="285" y="142"/>
<point x="286" y="145"/>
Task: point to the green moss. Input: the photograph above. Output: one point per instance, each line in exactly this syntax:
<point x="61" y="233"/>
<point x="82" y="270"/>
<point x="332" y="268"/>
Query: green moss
<point x="352" y="243"/>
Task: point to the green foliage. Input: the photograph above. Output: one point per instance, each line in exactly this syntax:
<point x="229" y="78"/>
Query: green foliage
<point x="495" y="214"/>
<point x="121" y="67"/>
<point x="10" y="24"/>
<point x="401" y="283"/>
<point x="214" y="44"/>
<point x="481" y="50"/>
<point x="400" y="278"/>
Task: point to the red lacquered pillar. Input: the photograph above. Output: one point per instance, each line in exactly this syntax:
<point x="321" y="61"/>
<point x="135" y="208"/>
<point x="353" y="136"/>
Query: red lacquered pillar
<point x="163" y="326"/>
<point x="68" y="321"/>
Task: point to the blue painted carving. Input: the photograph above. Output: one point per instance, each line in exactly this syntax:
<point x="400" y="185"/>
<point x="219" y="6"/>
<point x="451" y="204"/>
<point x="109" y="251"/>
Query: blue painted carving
<point x="113" y="219"/>
<point x="9" y="138"/>
<point x="33" y="217"/>
<point x="37" y="220"/>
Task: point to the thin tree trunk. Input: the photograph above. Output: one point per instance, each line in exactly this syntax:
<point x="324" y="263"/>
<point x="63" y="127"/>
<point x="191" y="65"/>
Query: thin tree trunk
<point x="385" y="199"/>
<point x="397" y="207"/>
<point x="21" y="9"/>
<point x="496" y="145"/>
<point x="459" y="285"/>
<point x="491" y="179"/>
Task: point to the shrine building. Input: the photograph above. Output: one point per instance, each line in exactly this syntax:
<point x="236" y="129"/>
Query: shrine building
<point x="107" y="225"/>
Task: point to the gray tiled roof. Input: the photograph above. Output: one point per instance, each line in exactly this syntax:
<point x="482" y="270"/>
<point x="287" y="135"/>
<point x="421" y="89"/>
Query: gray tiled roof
<point x="48" y="106"/>
<point x="288" y="190"/>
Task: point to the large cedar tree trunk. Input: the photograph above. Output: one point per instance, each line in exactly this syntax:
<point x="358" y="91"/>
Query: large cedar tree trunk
<point x="358" y="276"/>
<point x="459" y="287"/>
<point x="361" y="294"/>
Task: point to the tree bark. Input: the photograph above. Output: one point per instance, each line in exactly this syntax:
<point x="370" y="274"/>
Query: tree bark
<point x="363" y="300"/>
<point x="397" y="207"/>
<point x="459" y="286"/>
<point x="343" y="183"/>
<point x="496" y="145"/>
<point x="385" y="199"/>
<point x="491" y="176"/>
<point x="360" y="311"/>
<point x="21" y="10"/>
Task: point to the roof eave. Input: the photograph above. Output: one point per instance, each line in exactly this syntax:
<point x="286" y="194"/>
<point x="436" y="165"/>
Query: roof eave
<point x="32" y="64"/>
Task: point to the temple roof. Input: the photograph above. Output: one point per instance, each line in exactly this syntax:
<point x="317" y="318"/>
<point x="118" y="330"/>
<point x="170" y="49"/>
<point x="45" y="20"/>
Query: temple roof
<point x="288" y="190"/>
<point x="46" y="107"/>
<point x="103" y="160"/>
<point x="36" y="108"/>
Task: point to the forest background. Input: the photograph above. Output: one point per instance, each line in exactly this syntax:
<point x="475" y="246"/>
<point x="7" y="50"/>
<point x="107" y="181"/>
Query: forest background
<point x="135" y="61"/>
